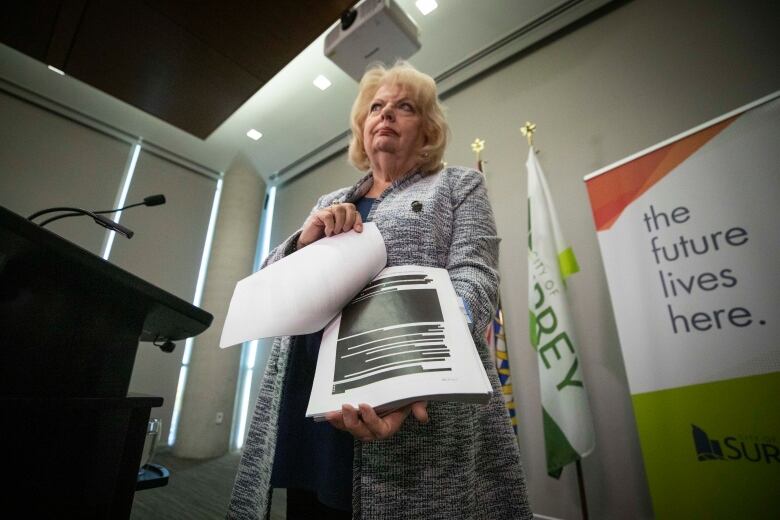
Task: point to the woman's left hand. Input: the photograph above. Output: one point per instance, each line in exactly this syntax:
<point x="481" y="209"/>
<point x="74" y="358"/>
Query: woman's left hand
<point x="364" y="424"/>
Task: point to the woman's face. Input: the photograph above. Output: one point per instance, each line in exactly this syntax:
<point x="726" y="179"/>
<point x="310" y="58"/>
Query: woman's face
<point x="393" y="125"/>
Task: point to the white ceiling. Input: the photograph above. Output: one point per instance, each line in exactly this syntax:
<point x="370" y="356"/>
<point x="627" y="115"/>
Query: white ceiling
<point x="302" y="125"/>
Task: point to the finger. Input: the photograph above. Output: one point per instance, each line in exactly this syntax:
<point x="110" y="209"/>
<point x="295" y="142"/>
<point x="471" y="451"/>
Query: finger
<point x="375" y="424"/>
<point x="395" y="419"/>
<point x="358" y="226"/>
<point x="354" y="425"/>
<point x="339" y="214"/>
<point x="326" y="217"/>
<point x="386" y="426"/>
<point x="336" y="420"/>
<point x="313" y="229"/>
<point x="349" y="218"/>
<point x="420" y="411"/>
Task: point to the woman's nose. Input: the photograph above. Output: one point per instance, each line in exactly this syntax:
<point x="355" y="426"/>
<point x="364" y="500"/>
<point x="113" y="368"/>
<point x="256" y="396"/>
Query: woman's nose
<point x="388" y="113"/>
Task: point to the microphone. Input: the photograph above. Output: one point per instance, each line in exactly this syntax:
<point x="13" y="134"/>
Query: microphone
<point x="154" y="200"/>
<point x="151" y="200"/>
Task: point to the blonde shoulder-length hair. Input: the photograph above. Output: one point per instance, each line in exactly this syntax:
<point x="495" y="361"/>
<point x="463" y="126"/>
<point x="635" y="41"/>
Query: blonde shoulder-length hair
<point x="422" y="89"/>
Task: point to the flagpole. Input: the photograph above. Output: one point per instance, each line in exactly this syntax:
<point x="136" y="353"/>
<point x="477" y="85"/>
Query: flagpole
<point x="528" y="131"/>
<point x="477" y="146"/>
<point x="581" y="486"/>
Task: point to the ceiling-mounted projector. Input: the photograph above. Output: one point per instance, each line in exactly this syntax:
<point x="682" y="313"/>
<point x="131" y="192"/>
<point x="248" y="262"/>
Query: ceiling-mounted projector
<point x="374" y="31"/>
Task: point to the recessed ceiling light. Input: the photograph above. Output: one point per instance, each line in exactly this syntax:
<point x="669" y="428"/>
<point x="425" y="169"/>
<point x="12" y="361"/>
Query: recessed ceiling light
<point x="426" y="6"/>
<point x="321" y="82"/>
<point x="254" y="134"/>
<point x="58" y="71"/>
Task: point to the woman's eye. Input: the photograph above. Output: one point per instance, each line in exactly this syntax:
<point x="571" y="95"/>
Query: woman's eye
<point x="407" y="106"/>
<point x="375" y="107"/>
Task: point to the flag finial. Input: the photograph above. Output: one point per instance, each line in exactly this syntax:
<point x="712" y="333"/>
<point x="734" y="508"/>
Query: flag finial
<point x="528" y="130"/>
<point x="477" y="146"/>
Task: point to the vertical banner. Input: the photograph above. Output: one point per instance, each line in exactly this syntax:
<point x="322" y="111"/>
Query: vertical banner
<point x="568" y="427"/>
<point x="495" y="335"/>
<point x="689" y="235"/>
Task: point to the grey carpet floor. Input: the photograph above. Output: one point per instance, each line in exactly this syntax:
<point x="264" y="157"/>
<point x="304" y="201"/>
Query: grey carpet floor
<point x="196" y="490"/>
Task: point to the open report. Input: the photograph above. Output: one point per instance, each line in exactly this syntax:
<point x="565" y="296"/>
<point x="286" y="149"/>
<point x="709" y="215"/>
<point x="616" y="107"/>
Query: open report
<point x="392" y="335"/>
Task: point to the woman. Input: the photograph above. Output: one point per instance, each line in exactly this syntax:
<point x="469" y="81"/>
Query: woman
<point x="428" y="460"/>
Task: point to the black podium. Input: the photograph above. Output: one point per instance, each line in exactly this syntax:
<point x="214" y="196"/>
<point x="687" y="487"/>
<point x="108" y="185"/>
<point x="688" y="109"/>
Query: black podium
<point x="70" y="435"/>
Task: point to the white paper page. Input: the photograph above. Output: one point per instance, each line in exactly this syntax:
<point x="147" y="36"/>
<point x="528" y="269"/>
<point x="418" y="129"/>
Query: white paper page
<point x="405" y="339"/>
<point x="302" y="292"/>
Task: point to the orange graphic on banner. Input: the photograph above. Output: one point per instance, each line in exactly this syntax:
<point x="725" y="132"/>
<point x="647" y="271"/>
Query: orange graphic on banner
<point x="611" y="192"/>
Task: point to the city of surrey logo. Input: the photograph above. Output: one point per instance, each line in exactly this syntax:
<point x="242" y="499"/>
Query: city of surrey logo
<point x="750" y="448"/>
<point x="706" y="448"/>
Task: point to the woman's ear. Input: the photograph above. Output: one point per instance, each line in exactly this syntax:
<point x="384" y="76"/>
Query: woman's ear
<point x="425" y="141"/>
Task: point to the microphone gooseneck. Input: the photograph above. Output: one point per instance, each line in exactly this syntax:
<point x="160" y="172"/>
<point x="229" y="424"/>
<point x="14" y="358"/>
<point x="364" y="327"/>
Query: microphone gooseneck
<point x="151" y="200"/>
<point x="114" y="226"/>
<point x="100" y="219"/>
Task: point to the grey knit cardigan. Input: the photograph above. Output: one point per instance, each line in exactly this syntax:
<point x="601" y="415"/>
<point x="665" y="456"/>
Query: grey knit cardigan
<point x="463" y="464"/>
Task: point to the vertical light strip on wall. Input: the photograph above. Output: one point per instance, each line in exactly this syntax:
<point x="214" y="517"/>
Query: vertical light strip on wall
<point x="204" y="262"/>
<point x="249" y="349"/>
<point x="248" y="356"/>
<point x="265" y="244"/>
<point x="127" y="178"/>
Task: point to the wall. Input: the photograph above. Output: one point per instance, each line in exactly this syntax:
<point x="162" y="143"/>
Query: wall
<point x="165" y="251"/>
<point x="48" y="158"/>
<point x="625" y="79"/>
<point x="212" y="373"/>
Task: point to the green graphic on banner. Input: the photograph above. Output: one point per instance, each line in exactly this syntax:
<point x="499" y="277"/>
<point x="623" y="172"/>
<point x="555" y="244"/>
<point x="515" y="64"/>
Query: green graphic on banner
<point x="713" y="450"/>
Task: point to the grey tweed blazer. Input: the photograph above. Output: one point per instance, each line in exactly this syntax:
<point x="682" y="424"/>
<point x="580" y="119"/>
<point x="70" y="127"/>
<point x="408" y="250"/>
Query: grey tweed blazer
<point x="463" y="464"/>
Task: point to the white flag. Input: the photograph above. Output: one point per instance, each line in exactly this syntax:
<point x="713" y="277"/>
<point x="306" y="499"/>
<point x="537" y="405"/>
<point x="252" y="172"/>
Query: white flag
<point x="568" y="428"/>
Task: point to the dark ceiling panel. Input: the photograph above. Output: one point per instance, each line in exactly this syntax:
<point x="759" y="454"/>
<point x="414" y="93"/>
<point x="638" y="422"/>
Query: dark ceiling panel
<point x="260" y="36"/>
<point x="189" y="63"/>
<point x="27" y="25"/>
<point x="64" y="32"/>
<point x="141" y="57"/>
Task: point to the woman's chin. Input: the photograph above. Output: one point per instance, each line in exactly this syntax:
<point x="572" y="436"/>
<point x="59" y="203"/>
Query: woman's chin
<point x="387" y="150"/>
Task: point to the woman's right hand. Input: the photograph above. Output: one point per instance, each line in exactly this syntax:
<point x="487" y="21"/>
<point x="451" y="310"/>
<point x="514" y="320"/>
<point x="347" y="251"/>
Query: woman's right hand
<point x="335" y="219"/>
<point x="364" y="423"/>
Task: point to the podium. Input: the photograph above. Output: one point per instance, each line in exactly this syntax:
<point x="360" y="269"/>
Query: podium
<point x="71" y="437"/>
